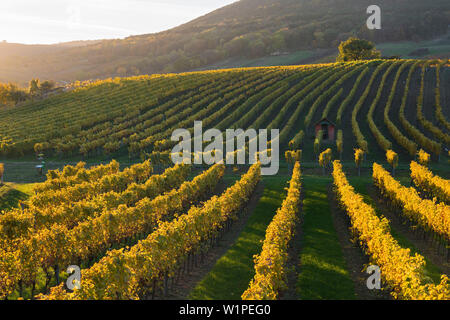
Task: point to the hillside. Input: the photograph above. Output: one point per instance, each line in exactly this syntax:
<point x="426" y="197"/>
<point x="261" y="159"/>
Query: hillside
<point x="232" y="158"/>
<point x="377" y="104"/>
<point x="247" y="29"/>
<point x="159" y="231"/>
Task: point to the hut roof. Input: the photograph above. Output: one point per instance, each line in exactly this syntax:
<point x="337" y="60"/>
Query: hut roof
<point x="325" y="120"/>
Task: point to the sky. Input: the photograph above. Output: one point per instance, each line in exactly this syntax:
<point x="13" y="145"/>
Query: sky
<point x="54" y="21"/>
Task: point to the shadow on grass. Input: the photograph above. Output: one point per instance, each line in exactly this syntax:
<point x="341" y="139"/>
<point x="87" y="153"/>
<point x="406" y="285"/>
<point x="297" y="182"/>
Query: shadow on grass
<point x="10" y="197"/>
<point x="232" y="273"/>
<point x="323" y="271"/>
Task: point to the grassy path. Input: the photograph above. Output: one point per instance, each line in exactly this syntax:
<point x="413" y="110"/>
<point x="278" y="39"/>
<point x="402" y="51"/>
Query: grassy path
<point x="12" y="193"/>
<point x="323" y="270"/>
<point x="232" y="272"/>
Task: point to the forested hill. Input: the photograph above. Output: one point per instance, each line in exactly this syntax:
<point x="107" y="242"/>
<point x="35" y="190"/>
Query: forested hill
<point x="245" y="29"/>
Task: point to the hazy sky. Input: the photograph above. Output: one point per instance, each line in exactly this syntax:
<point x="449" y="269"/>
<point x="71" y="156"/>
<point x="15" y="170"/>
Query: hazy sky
<point x="52" y="21"/>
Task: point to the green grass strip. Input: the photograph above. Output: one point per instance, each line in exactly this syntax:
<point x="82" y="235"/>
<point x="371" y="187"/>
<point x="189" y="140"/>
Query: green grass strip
<point x="232" y="273"/>
<point x="323" y="271"/>
<point x="11" y="194"/>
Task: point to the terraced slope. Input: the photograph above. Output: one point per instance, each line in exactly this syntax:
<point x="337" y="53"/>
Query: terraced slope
<point x="136" y="116"/>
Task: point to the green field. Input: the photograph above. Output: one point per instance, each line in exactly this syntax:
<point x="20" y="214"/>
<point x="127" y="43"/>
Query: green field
<point x="436" y="47"/>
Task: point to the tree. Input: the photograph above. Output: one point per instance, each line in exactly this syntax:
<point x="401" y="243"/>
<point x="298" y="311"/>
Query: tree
<point x="46" y="86"/>
<point x="278" y="42"/>
<point x="257" y="48"/>
<point x="182" y="63"/>
<point x="4" y="94"/>
<point x="2" y="171"/>
<point x="40" y="147"/>
<point x="318" y="142"/>
<point x="292" y="157"/>
<point x="15" y="94"/>
<point x="340" y="143"/>
<point x="392" y="158"/>
<point x="34" y="88"/>
<point x="196" y="46"/>
<point x="237" y="46"/>
<point x="325" y="159"/>
<point x="359" y="157"/>
<point x="357" y="49"/>
<point x="423" y="157"/>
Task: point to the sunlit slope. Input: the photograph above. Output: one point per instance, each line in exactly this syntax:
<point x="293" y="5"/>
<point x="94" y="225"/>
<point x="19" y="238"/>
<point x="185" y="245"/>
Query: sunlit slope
<point x="378" y="105"/>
